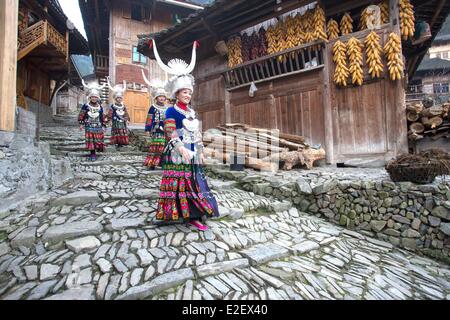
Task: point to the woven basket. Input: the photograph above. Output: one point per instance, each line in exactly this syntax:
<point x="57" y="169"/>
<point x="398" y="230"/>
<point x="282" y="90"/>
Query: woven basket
<point x="418" y="173"/>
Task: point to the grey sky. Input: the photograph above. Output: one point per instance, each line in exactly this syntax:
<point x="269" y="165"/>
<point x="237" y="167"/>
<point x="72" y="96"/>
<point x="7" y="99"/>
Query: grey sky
<point x="72" y="11"/>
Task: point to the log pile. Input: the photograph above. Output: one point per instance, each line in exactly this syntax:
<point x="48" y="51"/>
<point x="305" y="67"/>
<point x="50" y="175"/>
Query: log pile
<point x="260" y="149"/>
<point x="425" y="119"/>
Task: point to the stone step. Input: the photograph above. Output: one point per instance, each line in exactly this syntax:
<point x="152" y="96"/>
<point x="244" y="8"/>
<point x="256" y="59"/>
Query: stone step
<point x="105" y="154"/>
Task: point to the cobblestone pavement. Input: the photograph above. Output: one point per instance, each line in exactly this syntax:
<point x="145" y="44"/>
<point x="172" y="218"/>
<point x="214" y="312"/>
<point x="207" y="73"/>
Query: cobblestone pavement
<point x="92" y="240"/>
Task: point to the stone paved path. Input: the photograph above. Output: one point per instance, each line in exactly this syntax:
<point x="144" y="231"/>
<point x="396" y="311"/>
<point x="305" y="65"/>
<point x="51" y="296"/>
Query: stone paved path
<point x="92" y="240"/>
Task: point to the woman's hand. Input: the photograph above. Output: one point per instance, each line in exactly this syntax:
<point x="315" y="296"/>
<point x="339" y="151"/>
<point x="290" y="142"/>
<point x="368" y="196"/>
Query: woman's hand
<point x="185" y="154"/>
<point x="81" y="127"/>
<point x="202" y="158"/>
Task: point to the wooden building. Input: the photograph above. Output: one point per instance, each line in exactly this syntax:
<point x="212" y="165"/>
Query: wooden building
<point x="45" y="42"/>
<point x="298" y="95"/>
<point x="112" y="27"/>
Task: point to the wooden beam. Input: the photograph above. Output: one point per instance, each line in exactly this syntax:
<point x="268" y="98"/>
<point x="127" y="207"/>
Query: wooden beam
<point x="327" y="107"/>
<point x="259" y="17"/>
<point x="210" y="30"/>
<point x="344" y="6"/>
<point x="397" y="123"/>
<point x="241" y="13"/>
<point x="223" y="9"/>
<point x="9" y="11"/>
<point x="437" y="12"/>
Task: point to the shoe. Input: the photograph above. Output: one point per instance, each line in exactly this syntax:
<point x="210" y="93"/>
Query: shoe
<point x="93" y="157"/>
<point x="198" y="225"/>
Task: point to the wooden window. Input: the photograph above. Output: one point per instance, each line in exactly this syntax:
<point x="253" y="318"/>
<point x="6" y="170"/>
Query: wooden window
<point x="136" y="12"/>
<point x="138" y="58"/>
<point x="441" y="88"/>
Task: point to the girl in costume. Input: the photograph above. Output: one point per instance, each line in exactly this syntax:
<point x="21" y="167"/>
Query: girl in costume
<point x="154" y="126"/>
<point x="91" y="117"/>
<point x="119" y="117"/>
<point x="184" y="192"/>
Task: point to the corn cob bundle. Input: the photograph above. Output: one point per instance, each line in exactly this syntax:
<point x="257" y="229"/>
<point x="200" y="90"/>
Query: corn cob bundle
<point x="407" y="19"/>
<point x="373" y="54"/>
<point x="234" y="52"/>
<point x="384" y="8"/>
<point x="341" y="72"/>
<point x="333" y="29"/>
<point x="393" y="53"/>
<point x="282" y="36"/>
<point x="272" y="41"/>
<point x="346" y="24"/>
<point x="308" y="26"/>
<point x="319" y="23"/>
<point x="290" y="29"/>
<point x="363" y="19"/>
<point x="355" y="58"/>
<point x="299" y="31"/>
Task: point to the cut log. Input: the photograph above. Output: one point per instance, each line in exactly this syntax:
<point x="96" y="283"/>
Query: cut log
<point x="432" y="112"/>
<point x="414" y="136"/>
<point x="412" y="116"/>
<point x="435" y="122"/>
<point x="305" y="157"/>
<point x="416" y="107"/>
<point x="417" y="127"/>
<point x="292" y="138"/>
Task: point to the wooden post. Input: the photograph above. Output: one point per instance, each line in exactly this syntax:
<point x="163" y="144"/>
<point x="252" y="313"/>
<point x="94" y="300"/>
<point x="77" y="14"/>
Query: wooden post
<point x="227" y="107"/>
<point x="9" y="11"/>
<point x="400" y="127"/>
<point x="327" y="109"/>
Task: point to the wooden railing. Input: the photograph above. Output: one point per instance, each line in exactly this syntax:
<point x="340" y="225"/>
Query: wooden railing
<point x="101" y="64"/>
<point x="39" y="34"/>
<point x="281" y="64"/>
<point x="57" y="40"/>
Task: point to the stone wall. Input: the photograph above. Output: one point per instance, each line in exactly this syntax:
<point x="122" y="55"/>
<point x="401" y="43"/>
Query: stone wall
<point x="415" y="217"/>
<point x="26" y="168"/>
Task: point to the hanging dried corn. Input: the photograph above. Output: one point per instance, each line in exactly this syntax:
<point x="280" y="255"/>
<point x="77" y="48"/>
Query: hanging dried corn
<point x="346" y="24"/>
<point x="341" y="72"/>
<point x="373" y="54"/>
<point x="272" y="41"/>
<point x="299" y="30"/>
<point x="234" y="52"/>
<point x="363" y="19"/>
<point x="407" y="19"/>
<point x="355" y="58"/>
<point x="384" y="8"/>
<point x="319" y="23"/>
<point x="333" y="29"/>
<point x="393" y="53"/>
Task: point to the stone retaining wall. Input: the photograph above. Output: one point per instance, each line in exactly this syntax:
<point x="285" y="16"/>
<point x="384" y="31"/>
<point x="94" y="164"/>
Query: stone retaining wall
<point x="415" y="217"/>
<point x="26" y="168"/>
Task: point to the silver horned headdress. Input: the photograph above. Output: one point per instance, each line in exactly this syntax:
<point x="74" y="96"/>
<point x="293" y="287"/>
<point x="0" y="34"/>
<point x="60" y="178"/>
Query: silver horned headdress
<point x="179" y="69"/>
<point x="157" y="87"/>
<point x="93" y="88"/>
<point x="117" y="90"/>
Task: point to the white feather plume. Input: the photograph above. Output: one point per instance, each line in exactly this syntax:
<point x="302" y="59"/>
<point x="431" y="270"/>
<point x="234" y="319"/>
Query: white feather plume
<point x="179" y="67"/>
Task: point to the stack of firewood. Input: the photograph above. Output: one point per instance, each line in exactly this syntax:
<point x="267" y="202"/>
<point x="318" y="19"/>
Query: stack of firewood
<point x="260" y="149"/>
<point x="426" y="119"/>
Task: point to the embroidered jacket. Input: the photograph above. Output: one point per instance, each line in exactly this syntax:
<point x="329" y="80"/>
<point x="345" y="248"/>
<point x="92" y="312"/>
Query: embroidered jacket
<point x="92" y="116"/>
<point x="155" y="120"/>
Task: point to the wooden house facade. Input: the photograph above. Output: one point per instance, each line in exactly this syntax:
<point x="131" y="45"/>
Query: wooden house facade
<point x="45" y="44"/>
<point x="112" y="27"/>
<point x="295" y="95"/>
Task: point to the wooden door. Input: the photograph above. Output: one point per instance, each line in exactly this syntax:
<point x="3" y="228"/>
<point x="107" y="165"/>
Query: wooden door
<point x="137" y="103"/>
